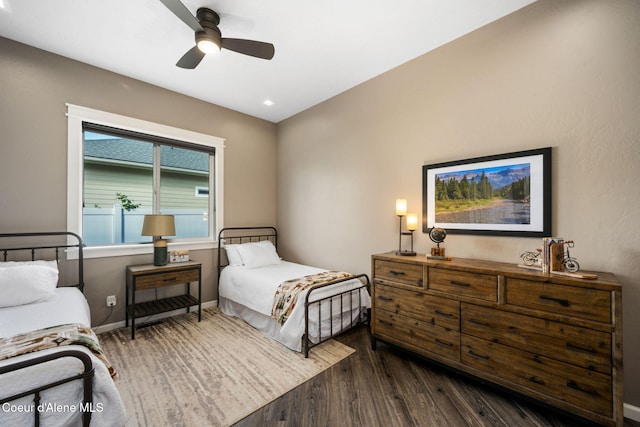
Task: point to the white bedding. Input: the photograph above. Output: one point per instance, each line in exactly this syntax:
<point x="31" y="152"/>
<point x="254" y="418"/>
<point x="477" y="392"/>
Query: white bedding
<point x="62" y="404"/>
<point x="68" y="305"/>
<point x="248" y="293"/>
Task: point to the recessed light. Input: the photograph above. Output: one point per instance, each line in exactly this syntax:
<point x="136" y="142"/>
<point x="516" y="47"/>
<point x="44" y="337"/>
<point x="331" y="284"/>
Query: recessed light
<point x="268" y="102"/>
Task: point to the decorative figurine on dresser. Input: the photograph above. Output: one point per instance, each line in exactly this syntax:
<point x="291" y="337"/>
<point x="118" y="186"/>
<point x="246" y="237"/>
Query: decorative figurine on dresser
<point x="554" y="257"/>
<point x="552" y="336"/>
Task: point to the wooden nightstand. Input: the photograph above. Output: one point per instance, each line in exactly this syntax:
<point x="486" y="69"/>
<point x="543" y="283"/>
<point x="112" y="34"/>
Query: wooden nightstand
<point x="149" y="276"/>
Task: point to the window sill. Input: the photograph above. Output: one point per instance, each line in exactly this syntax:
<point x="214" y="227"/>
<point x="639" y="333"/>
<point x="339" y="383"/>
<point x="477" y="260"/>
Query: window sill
<point x="137" y="249"/>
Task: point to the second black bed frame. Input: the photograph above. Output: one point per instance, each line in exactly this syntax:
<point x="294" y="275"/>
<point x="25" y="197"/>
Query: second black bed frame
<point x="239" y="235"/>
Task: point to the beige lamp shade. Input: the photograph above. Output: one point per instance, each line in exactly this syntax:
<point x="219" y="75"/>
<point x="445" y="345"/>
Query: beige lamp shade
<point x="158" y="225"/>
<point x="412" y="222"/>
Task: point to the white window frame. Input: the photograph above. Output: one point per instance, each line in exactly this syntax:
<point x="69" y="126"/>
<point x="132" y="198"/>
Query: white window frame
<point x="76" y="115"/>
<point x="198" y="189"/>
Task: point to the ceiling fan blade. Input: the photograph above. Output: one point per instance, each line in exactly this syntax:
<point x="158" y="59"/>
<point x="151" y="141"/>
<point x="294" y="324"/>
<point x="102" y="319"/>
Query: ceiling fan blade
<point x="250" y="47"/>
<point x="191" y="59"/>
<point x="181" y="11"/>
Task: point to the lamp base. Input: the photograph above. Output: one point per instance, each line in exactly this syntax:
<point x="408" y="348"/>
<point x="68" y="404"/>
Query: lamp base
<point x="160" y="253"/>
<point x="406" y="253"/>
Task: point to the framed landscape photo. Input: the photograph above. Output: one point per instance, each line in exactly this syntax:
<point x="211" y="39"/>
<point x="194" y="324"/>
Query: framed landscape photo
<point x="506" y="194"/>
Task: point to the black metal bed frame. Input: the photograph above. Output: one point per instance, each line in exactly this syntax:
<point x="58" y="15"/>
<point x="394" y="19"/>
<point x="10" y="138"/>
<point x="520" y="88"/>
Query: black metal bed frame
<point x="232" y="235"/>
<point x="56" y="247"/>
<point x="88" y="371"/>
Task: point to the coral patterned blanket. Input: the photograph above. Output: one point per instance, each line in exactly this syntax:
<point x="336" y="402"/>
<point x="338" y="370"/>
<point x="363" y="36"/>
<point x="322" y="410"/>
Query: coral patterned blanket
<point x="51" y="337"/>
<point x="287" y="293"/>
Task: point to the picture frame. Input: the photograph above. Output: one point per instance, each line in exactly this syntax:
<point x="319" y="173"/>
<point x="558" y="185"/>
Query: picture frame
<point x="179" y="255"/>
<point x="503" y="195"/>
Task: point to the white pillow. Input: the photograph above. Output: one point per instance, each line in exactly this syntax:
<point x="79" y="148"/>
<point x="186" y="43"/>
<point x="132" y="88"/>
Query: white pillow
<point x="258" y="254"/>
<point x="27" y="282"/>
<point x="233" y="255"/>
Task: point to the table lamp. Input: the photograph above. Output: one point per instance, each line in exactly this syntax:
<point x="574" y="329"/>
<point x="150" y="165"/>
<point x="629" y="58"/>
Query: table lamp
<point x="158" y="226"/>
<point x="412" y="225"/>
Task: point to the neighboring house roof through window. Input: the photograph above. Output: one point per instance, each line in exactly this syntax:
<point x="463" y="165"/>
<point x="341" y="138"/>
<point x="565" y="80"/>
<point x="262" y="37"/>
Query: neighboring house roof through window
<point x="134" y="151"/>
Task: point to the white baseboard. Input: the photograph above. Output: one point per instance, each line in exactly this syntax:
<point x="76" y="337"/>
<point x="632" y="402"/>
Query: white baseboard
<point x="631" y="412"/>
<point x="117" y="325"/>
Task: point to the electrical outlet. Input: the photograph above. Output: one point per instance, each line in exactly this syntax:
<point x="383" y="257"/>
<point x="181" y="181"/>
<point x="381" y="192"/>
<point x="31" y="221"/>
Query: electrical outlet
<point x="111" y="301"/>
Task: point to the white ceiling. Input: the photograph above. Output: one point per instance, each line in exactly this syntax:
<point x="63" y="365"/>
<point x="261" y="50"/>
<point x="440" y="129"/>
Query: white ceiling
<point x="322" y="47"/>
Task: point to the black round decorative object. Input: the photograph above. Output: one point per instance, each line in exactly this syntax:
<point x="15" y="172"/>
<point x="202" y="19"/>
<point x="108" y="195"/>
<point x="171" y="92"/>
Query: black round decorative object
<point x="437" y="235"/>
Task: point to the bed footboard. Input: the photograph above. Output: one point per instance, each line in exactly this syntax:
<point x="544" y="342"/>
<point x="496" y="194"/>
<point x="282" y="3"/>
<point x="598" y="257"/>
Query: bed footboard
<point x="86" y="376"/>
<point x="344" y="298"/>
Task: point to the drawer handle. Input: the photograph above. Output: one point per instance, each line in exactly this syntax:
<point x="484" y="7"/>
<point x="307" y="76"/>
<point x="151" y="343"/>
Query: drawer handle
<point x="397" y="273"/>
<point x="388" y="324"/>
<point x="575" y="386"/>
<point x="383" y="298"/>
<point x="562" y="302"/>
<point x="481" y="356"/>
<point x="171" y="279"/>
<point x="458" y="283"/>
<point x="478" y="322"/>
<point x="578" y="348"/>
<point x="537" y="380"/>
<point x="448" y="344"/>
<point x="441" y="313"/>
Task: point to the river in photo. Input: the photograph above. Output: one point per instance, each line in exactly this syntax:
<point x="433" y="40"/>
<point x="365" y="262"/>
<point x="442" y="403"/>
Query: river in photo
<point x="500" y="211"/>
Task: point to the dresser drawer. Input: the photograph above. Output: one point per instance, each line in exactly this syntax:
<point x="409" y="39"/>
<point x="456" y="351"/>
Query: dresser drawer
<point x="577" y="386"/>
<point x="435" y="310"/>
<point x="398" y="272"/>
<point x="157" y="280"/>
<point x="572" y="301"/>
<point x="460" y="283"/>
<point x="583" y="347"/>
<point x="417" y="334"/>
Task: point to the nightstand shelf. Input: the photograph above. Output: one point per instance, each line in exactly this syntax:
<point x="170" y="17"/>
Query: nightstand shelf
<point x="149" y="276"/>
<point x="149" y="308"/>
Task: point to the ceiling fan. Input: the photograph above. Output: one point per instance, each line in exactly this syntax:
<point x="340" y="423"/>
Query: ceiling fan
<point x="209" y="38"/>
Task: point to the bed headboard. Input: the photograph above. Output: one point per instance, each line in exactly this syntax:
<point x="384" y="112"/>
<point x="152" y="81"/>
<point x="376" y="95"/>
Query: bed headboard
<point x="45" y="246"/>
<point x="239" y="235"/>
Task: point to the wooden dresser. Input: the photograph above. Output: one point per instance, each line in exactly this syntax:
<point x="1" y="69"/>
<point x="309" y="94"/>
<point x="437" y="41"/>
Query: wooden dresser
<point x="551" y="337"/>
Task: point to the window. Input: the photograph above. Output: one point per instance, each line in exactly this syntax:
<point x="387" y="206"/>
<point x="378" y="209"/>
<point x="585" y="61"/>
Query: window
<point x="122" y="168"/>
<point x="202" y="192"/>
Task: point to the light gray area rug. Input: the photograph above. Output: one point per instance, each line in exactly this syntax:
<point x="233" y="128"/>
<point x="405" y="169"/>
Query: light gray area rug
<point x="213" y="373"/>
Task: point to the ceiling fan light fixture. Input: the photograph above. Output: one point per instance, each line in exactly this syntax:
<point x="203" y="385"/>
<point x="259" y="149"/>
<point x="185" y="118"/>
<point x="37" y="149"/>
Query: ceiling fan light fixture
<point x="207" y="46"/>
<point x="208" y="43"/>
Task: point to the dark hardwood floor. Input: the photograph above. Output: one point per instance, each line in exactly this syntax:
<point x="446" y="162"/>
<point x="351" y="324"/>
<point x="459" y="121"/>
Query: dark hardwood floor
<point x="389" y="387"/>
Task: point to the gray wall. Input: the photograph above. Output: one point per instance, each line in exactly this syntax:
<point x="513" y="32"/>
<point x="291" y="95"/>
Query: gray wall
<point x="35" y="86"/>
<point x="564" y="74"/>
